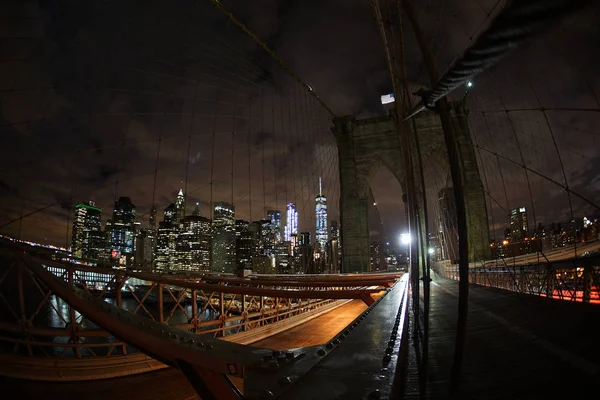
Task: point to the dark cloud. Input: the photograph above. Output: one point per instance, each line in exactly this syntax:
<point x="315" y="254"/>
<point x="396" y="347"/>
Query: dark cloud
<point x="112" y="98"/>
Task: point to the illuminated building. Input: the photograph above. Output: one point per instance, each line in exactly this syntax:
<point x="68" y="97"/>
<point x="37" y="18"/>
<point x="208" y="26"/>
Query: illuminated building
<point x="274" y="216"/>
<point x="518" y="224"/>
<point x="192" y="247"/>
<point x="291" y="223"/>
<point x="321" y="219"/>
<point x="166" y="239"/>
<point x="88" y="239"/>
<point x="180" y="206"/>
<point x="121" y="230"/>
<point x="283" y="259"/>
<point x="223" y="240"/>
<point x="267" y="237"/>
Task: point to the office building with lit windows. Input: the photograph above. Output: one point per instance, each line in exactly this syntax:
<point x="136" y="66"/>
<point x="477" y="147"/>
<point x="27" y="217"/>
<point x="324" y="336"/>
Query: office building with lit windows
<point x="192" y="247"/>
<point x="518" y="224"/>
<point x="223" y="240"/>
<point x="321" y="219"/>
<point x="166" y="239"/>
<point x="291" y="223"/>
<point x="274" y="217"/>
<point x="88" y="239"/>
<point x="121" y="231"/>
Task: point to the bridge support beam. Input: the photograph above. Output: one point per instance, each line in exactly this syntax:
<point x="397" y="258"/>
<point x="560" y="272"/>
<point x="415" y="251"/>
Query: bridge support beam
<point x="366" y="145"/>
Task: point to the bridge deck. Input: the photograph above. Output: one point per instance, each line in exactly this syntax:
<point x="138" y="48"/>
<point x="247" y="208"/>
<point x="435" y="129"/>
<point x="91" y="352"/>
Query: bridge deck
<point x="170" y="384"/>
<point x="518" y="346"/>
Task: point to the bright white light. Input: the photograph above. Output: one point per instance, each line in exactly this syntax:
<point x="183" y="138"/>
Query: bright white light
<point x="431" y="250"/>
<point x="469" y="84"/>
<point x="405" y="238"/>
<point x="387" y="98"/>
<point x="375" y="204"/>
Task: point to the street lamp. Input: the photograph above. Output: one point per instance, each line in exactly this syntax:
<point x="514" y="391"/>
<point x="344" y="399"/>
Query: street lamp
<point x="405" y="238"/>
<point x="469" y="85"/>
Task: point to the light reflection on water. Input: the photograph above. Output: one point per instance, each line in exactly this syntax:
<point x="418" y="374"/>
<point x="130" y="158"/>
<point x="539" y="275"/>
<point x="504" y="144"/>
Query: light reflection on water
<point x="58" y="316"/>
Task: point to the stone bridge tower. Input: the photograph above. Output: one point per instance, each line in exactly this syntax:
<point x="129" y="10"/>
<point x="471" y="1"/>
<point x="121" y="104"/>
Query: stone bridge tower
<point x="367" y="144"/>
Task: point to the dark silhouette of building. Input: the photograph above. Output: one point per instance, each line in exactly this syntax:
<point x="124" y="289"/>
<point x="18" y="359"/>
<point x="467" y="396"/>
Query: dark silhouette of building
<point x="121" y="231"/>
<point x="223" y="240"/>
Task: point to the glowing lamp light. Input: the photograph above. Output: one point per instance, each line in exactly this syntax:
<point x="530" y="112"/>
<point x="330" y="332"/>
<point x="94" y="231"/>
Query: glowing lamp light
<point x="405" y="238"/>
<point x="387" y="98"/>
<point x="431" y="250"/>
<point x="469" y="84"/>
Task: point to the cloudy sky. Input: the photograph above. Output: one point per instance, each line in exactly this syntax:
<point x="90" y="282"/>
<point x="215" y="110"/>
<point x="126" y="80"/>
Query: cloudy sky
<point x="142" y="98"/>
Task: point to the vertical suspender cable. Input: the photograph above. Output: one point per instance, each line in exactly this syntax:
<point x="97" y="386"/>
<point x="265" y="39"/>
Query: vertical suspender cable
<point x="454" y="160"/>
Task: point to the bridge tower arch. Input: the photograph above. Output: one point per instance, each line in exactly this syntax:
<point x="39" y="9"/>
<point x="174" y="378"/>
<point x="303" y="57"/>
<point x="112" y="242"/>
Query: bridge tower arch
<point x="364" y="145"/>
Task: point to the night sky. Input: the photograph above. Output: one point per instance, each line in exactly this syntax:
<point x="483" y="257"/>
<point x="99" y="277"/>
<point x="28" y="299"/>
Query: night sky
<point x="90" y="89"/>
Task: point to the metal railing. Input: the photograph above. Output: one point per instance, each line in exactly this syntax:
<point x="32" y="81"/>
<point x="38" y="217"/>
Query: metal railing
<point x="572" y="280"/>
<point x="38" y="324"/>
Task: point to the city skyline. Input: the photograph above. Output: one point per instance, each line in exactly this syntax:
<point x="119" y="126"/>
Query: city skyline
<point x="276" y="157"/>
<point x="191" y="242"/>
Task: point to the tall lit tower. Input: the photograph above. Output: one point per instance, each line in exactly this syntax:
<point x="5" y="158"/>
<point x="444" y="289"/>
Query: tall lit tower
<point x="274" y="216"/>
<point x="180" y="206"/>
<point x="321" y="218"/>
<point x="291" y="222"/>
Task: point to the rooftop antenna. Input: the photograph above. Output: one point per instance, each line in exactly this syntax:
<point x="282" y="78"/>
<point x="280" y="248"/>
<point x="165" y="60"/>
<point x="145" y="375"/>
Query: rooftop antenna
<point x="320" y="187"/>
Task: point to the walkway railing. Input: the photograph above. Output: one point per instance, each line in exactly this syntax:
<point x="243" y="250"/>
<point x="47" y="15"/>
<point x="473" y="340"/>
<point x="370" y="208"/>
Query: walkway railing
<point x="572" y="280"/>
<point x="38" y="326"/>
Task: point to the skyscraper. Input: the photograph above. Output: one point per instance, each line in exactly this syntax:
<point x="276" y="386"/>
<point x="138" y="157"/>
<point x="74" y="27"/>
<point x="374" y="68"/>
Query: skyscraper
<point x="291" y="223"/>
<point x="121" y="230"/>
<point x="321" y="219"/>
<point x="88" y="240"/>
<point x="518" y="224"/>
<point x="180" y="206"/>
<point x="266" y="235"/>
<point x="245" y="243"/>
<point x="274" y="216"/>
<point x="223" y="241"/>
<point x="192" y="247"/>
<point x="168" y="231"/>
